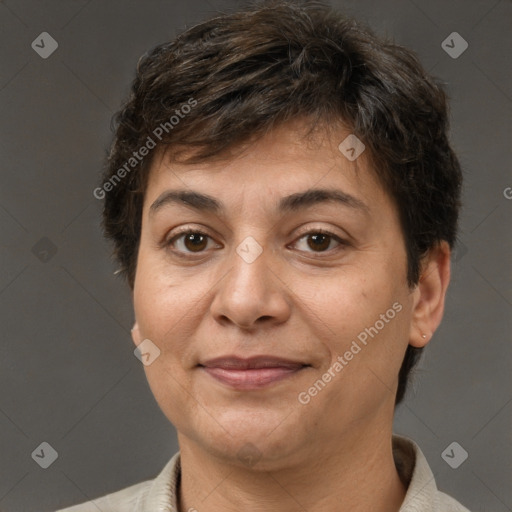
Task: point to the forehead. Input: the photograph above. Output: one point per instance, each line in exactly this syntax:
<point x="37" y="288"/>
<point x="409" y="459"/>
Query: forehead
<point x="278" y="164"/>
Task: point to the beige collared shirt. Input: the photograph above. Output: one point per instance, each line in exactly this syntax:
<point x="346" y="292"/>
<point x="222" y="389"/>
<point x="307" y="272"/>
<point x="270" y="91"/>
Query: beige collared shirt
<point x="159" y="495"/>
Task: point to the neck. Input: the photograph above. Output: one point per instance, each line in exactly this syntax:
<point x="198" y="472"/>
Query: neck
<point x="358" y="475"/>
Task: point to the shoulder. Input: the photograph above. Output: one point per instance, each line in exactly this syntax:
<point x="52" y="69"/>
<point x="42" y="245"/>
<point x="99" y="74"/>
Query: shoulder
<point x="157" y="494"/>
<point x="448" y="504"/>
<point x="119" y="501"/>
<point x="414" y="470"/>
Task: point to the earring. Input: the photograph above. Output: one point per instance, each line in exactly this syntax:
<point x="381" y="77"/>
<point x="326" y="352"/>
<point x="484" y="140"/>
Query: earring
<point x="423" y="336"/>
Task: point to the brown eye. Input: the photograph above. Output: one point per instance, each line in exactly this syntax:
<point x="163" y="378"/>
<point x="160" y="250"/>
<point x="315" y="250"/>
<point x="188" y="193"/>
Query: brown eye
<point x="190" y="242"/>
<point x="319" y="242"/>
<point x="195" y="242"/>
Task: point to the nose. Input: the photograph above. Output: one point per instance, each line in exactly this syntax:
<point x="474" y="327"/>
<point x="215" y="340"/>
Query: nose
<point x="251" y="295"/>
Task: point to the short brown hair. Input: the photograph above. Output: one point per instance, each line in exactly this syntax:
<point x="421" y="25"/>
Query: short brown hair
<point x="251" y="70"/>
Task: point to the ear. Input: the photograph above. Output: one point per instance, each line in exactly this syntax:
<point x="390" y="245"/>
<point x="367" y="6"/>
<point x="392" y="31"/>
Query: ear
<point x="429" y="295"/>
<point x="136" y="334"/>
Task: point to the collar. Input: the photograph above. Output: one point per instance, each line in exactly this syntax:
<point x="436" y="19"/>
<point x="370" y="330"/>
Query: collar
<point x="411" y="464"/>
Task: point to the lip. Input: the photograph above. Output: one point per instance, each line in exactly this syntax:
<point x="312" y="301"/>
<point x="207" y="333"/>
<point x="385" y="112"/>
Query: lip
<point x="251" y="373"/>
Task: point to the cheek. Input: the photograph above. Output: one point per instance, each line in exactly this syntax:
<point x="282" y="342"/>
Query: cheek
<point x="346" y="302"/>
<point x="163" y="309"/>
<point x="162" y="300"/>
<point x="169" y="308"/>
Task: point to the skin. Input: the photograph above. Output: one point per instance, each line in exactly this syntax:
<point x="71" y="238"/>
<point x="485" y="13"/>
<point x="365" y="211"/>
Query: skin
<point x="293" y="301"/>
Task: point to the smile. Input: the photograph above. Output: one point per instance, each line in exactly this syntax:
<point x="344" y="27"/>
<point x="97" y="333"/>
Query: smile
<point x="252" y="373"/>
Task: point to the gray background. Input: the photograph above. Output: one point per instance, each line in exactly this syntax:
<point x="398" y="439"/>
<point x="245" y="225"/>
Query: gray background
<point x="67" y="370"/>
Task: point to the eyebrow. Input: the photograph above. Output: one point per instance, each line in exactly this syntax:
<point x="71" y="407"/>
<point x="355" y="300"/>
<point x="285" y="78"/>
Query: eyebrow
<point x="291" y="203"/>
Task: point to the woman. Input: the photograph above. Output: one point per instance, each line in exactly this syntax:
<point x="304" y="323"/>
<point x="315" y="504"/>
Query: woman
<point x="283" y="201"/>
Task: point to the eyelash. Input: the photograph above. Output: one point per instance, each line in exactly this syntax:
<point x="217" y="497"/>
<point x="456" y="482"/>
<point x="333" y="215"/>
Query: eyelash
<point x="188" y="231"/>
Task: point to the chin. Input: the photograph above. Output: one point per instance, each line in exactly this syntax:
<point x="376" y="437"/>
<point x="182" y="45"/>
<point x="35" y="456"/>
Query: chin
<point x="259" y="455"/>
<point x="257" y="442"/>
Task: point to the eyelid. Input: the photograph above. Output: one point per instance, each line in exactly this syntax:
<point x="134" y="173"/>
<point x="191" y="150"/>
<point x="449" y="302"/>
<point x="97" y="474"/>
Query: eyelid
<point x="188" y="228"/>
<point x="318" y="229"/>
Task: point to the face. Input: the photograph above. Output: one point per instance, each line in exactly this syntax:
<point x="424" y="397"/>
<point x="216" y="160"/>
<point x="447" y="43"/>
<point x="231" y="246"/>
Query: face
<point x="274" y="286"/>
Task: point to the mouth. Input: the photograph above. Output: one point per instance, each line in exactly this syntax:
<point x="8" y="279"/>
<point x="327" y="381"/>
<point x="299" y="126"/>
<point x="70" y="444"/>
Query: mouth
<point x="251" y="373"/>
